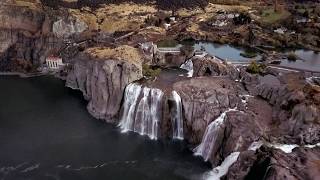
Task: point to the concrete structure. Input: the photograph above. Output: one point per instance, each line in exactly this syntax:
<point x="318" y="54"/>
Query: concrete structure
<point x="200" y="53"/>
<point x="54" y="63"/>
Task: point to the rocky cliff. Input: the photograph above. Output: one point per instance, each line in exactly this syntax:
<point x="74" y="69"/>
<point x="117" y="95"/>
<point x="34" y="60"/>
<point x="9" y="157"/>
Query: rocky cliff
<point x="102" y="82"/>
<point x="23" y="34"/>
<point x="219" y="111"/>
<point x="30" y="32"/>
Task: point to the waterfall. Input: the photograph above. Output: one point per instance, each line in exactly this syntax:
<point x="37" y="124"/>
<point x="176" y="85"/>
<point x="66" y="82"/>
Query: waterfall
<point x="142" y="110"/>
<point x="176" y="117"/>
<point x="210" y="136"/>
<point x="143" y="113"/>
<point x="222" y="170"/>
<point x="131" y="96"/>
<point x="188" y="65"/>
<point x="156" y="97"/>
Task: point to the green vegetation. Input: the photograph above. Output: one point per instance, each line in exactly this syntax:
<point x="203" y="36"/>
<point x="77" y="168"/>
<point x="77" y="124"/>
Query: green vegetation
<point x="292" y="56"/>
<point x="270" y="16"/>
<point x="149" y="71"/>
<point x="256" y="68"/>
<point x="248" y="54"/>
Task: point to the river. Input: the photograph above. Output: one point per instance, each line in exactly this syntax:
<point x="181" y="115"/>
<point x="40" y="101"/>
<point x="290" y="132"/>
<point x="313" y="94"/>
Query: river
<point x="47" y="133"/>
<point x="308" y="60"/>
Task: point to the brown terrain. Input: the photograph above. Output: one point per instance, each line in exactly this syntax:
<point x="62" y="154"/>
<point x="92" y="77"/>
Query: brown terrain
<point x="102" y="42"/>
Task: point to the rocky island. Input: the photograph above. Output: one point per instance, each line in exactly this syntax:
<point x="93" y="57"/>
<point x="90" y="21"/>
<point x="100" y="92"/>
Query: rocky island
<point x="148" y="67"/>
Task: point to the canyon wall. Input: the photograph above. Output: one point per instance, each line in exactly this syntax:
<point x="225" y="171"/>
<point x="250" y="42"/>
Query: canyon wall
<point x="219" y="109"/>
<point x="102" y="82"/>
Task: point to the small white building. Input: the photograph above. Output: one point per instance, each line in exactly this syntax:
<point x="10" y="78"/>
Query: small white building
<point x="54" y="63"/>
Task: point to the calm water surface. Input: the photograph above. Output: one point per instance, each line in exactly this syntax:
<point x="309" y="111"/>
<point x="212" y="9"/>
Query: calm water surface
<point x="47" y="134"/>
<point x="224" y="51"/>
<point x="310" y="61"/>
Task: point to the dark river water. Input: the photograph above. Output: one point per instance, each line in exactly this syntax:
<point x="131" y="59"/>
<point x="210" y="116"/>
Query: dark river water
<point x="47" y="134"/>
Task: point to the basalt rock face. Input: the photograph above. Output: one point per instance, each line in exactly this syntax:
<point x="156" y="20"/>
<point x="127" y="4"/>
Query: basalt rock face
<point x="29" y="34"/>
<point x="204" y="99"/>
<point x="295" y="109"/>
<point x="25" y="38"/>
<point x="209" y="66"/>
<point x="102" y="82"/>
<point x="271" y="164"/>
<point x="294" y="120"/>
<point x="68" y="26"/>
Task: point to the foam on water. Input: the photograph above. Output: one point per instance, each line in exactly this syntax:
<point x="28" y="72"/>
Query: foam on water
<point x="222" y="170"/>
<point x="188" y="65"/>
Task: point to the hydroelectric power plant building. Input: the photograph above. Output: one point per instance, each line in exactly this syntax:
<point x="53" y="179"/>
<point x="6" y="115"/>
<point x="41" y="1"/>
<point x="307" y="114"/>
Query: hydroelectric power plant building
<point x="54" y="63"/>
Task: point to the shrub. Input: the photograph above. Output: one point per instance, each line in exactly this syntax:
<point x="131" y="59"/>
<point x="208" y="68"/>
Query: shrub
<point x="255" y="68"/>
<point x="292" y="56"/>
<point x="149" y="71"/>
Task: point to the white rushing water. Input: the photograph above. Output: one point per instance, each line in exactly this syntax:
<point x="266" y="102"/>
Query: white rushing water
<point x="176" y="117"/>
<point x="222" y="170"/>
<point x="255" y="145"/>
<point x="210" y="136"/>
<point x="141" y="114"/>
<point x="131" y="96"/>
<point x="188" y="65"/>
<point x="286" y="148"/>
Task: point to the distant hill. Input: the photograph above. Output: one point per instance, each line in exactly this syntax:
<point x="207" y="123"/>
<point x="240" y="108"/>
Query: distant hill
<point x="162" y="4"/>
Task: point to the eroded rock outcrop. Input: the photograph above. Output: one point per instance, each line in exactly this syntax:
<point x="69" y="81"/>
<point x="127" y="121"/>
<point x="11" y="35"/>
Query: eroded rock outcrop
<point x="204" y="99"/>
<point x="68" y="26"/>
<point x="295" y="109"/>
<point x="23" y="35"/>
<point x="102" y="80"/>
<point x="30" y="32"/>
<point x="269" y="163"/>
<point x="209" y="66"/>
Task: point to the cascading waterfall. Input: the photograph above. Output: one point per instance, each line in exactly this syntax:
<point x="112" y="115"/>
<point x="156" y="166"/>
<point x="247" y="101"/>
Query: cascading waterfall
<point x="210" y="136"/>
<point x="222" y="170"/>
<point x="188" y="65"/>
<point x="131" y="96"/>
<point x="176" y="117"/>
<point x="156" y="97"/>
<point x="141" y="114"/>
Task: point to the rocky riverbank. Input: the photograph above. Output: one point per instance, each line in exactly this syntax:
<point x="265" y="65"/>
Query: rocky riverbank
<point x="255" y="125"/>
<point x="273" y="110"/>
